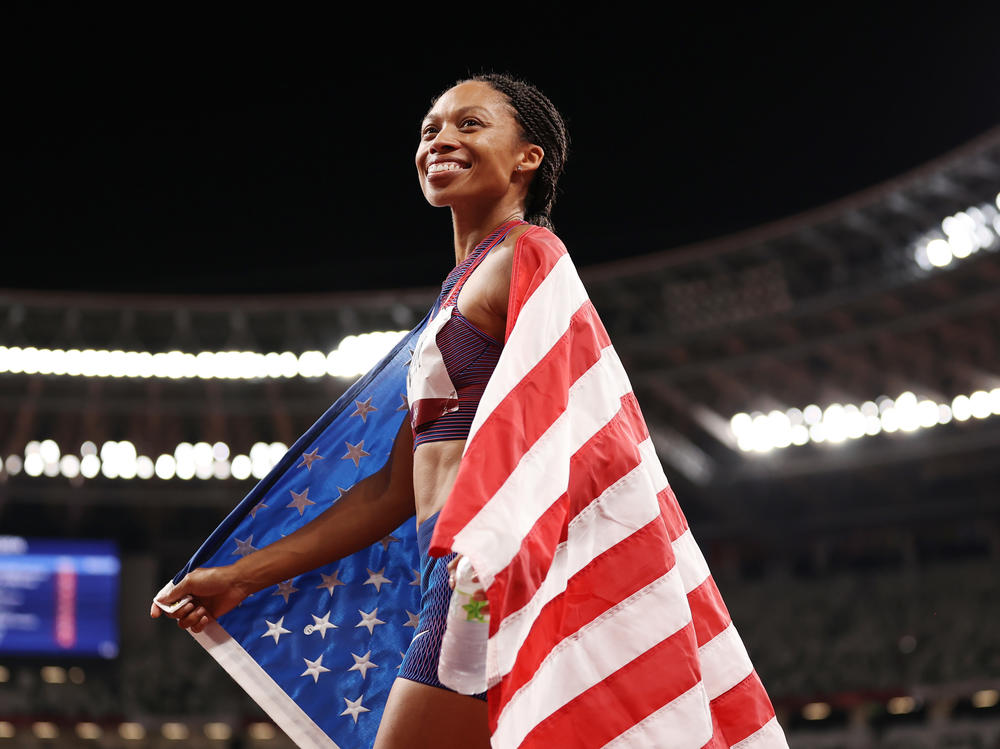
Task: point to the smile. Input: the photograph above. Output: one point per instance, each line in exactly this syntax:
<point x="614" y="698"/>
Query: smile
<point x="445" y="166"/>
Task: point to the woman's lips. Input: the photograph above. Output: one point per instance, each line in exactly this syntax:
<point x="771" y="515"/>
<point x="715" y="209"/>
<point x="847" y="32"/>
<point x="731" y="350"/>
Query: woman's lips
<point x="440" y="169"/>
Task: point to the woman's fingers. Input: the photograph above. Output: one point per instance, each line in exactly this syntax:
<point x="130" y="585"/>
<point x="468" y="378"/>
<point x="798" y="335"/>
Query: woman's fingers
<point x="193" y="617"/>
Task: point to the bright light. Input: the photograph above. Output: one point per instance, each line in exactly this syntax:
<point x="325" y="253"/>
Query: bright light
<point x="144" y="468"/>
<point x="837" y="423"/>
<point x="938" y="253"/>
<point x="90" y="466"/>
<point x="174" y="731"/>
<point x="241" y="467"/>
<point x="165" y="466"/>
<point x="960" y="236"/>
<point x="33" y="464"/>
<point x="88" y="730"/>
<point x="740" y="423"/>
<point x="986" y="697"/>
<point x="261" y="731"/>
<point x="980" y="402"/>
<point x="13" y="464"/>
<point x="901" y="705"/>
<point x="69" y="466"/>
<point x="45" y="730"/>
<point x="53" y="674"/>
<point x="49" y="451"/>
<point x="132" y="731"/>
<point x="218" y="731"/>
<point x="816" y="711"/>
<point x="961" y="408"/>
<point x="7" y="730"/>
<point x="354" y="355"/>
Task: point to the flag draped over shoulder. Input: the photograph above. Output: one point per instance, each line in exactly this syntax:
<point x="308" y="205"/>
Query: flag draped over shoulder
<point x="319" y="652"/>
<point x="607" y="628"/>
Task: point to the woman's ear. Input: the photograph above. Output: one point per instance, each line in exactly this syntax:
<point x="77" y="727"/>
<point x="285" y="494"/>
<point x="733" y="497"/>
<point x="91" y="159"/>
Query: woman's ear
<point x="531" y="158"/>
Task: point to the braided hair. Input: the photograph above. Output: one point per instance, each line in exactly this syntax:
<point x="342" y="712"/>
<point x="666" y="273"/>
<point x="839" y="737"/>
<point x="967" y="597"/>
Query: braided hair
<point x="542" y="125"/>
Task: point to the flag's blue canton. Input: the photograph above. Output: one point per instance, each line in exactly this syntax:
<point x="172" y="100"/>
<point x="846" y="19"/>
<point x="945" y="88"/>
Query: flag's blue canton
<point x="333" y="638"/>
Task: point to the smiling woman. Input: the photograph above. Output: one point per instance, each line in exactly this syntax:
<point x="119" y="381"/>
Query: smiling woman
<point x="526" y="452"/>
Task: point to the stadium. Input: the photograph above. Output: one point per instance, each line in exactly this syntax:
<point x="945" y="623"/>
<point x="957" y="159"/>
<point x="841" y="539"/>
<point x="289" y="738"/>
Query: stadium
<point x="822" y="389"/>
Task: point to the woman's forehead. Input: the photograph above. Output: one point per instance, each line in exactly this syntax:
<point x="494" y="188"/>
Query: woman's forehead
<point x="469" y="94"/>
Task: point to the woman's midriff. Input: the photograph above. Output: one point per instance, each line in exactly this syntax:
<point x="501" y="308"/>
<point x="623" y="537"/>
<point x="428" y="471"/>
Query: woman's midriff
<point x="435" y="466"/>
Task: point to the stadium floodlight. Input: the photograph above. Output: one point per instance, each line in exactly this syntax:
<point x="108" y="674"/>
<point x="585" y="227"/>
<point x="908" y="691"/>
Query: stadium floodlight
<point x="839" y="423"/>
<point x="960" y="236"/>
<point x="353" y="356"/>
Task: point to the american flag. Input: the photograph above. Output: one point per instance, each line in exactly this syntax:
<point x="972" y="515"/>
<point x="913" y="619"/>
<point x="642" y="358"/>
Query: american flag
<point x="607" y="628"/>
<point x="319" y="652"/>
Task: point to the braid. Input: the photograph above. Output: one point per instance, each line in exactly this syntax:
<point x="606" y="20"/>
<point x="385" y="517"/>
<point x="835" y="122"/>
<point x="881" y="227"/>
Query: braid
<point x="542" y="125"/>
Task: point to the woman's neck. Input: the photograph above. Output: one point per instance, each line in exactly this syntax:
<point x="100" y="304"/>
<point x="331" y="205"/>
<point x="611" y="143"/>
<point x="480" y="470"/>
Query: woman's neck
<point x="471" y="226"/>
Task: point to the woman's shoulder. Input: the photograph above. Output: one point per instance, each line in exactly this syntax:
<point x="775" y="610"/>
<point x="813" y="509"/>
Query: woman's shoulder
<point x="540" y="243"/>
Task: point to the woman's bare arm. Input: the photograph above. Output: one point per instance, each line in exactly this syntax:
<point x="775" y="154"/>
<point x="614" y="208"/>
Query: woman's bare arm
<point x="370" y="510"/>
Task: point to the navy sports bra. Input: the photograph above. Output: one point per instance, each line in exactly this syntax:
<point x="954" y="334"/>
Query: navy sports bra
<point x="453" y="359"/>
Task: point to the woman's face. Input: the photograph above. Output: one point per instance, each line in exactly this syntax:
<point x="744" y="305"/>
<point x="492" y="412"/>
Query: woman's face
<point x="470" y="147"/>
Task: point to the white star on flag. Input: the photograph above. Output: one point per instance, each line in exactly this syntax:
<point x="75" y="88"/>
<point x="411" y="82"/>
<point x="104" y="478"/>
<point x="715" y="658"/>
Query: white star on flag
<point x="412" y="619"/>
<point x="300" y="501"/>
<point x="362" y="663"/>
<point x="355" y="453"/>
<point x="276" y="630"/>
<point x="369" y="620"/>
<point x="377" y="579"/>
<point x="321" y="625"/>
<point x="405" y="406"/>
<point x="257" y="508"/>
<point x="386" y="541"/>
<point x="308" y="458"/>
<point x="314" y="668"/>
<point x="330" y="581"/>
<point x="285" y="589"/>
<point x="363" y="409"/>
<point x="354" y="708"/>
<point x="245" y="547"/>
<point x="416" y="576"/>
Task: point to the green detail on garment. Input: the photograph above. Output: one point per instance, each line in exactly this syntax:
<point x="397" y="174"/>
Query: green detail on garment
<point x="475" y="610"/>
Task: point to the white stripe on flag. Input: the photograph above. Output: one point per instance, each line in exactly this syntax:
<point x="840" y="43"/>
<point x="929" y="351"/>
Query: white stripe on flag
<point x="542" y="321"/>
<point x="542" y="474"/>
<point x="690" y="560"/>
<point x="769" y="735"/>
<point x="272" y="699"/>
<point x="623" y="508"/>
<point x="594" y="652"/>
<point x="724" y="662"/>
<point x="683" y="723"/>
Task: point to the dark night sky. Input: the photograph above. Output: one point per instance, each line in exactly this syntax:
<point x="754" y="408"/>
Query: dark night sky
<point x="256" y="161"/>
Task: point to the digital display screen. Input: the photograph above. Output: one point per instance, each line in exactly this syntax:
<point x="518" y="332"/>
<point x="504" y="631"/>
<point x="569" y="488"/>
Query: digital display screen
<point x="58" y="597"/>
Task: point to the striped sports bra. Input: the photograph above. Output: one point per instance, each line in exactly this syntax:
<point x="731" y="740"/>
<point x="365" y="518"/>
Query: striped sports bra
<point x="453" y="359"/>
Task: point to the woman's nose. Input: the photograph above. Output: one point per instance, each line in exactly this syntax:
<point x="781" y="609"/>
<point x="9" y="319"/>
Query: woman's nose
<point x="444" y="141"/>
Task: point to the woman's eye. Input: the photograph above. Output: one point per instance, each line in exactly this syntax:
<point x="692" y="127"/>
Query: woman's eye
<point x="469" y="122"/>
<point x="429" y="130"/>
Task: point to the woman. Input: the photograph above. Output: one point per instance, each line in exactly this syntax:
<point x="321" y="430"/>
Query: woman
<point x="491" y="149"/>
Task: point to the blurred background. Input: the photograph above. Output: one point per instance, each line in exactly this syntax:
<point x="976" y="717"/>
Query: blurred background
<point x="789" y="224"/>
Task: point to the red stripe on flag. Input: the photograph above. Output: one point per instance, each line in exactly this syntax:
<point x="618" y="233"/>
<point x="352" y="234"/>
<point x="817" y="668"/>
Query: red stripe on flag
<point x="535" y="253"/>
<point x="604" y="459"/>
<point x="709" y="611"/>
<point x="624" y="698"/>
<point x="743" y="709"/>
<point x="511" y="429"/>
<point x="596" y="588"/>
<point x="672" y="515"/>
